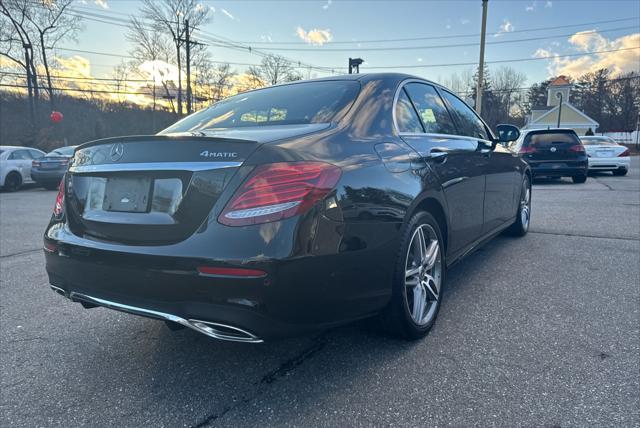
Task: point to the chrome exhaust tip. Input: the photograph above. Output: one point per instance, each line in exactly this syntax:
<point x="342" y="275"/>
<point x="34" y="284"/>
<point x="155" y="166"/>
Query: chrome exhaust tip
<point x="211" y="329"/>
<point x="58" y="290"/>
<point x="223" y="331"/>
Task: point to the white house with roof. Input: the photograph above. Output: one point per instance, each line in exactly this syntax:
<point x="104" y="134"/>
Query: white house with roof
<point x="546" y="117"/>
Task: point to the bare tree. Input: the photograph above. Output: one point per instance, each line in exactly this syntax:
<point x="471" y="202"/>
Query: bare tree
<point x="16" y="40"/>
<point x="171" y="16"/>
<point x="221" y="81"/>
<point x="507" y="83"/>
<point x="120" y="77"/>
<point x="274" y="69"/>
<point x="52" y="23"/>
<point x="149" y="45"/>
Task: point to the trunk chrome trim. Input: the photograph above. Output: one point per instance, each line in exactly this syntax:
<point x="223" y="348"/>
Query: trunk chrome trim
<point x="153" y="166"/>
<point x="207" y="328"/>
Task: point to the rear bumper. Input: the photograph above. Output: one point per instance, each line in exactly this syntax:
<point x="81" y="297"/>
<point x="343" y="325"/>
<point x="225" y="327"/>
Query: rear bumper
<point x="298" y="294"/>
<point x="609" y="164"/>
<point x="46" y="176"/>
<point x="559" y="169"/>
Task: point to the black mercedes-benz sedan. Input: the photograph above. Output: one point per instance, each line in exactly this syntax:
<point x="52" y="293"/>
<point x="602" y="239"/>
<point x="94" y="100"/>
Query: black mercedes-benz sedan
<point x="288" y="209"/>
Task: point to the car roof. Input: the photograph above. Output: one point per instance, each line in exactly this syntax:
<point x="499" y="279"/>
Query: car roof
<point x="363" y="77"/>
<point x="12" y="147"/>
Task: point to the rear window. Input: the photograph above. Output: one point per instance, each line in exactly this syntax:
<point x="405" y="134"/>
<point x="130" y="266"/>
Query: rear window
<point x="296" y="104"/>
<point x="548" y="138"/>
<point x="62" y="151"/>
<point x="598" y="141"/>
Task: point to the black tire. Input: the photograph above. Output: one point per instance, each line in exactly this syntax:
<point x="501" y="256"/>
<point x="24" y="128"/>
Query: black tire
<point x="578" y="179"/>
<point x="12" y="182"/>
<point x="520" y="226"/>
<point x="397" y="318"/>
<point x="620" y="172"/>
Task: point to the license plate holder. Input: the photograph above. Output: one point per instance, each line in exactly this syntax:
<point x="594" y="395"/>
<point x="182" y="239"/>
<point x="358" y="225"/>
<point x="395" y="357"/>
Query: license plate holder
<point x="605" y="154"/>
<point x="127" y="194"/>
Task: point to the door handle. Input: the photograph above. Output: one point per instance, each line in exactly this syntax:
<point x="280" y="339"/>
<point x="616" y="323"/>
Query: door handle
<point x="438" y="154"/>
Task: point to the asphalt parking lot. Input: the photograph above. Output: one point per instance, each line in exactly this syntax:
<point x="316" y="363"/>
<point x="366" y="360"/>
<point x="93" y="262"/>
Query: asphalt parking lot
<point x="538" y="331"/>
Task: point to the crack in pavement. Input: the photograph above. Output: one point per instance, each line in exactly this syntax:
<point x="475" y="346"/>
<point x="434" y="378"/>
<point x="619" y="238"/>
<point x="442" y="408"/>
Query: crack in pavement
<point x="263" y="384"/>
<point x="583" y="236"/>
<point x="20" y="253"/>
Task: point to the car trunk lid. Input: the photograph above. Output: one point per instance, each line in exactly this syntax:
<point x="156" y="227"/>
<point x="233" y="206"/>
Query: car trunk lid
<point x="149" y="190"/>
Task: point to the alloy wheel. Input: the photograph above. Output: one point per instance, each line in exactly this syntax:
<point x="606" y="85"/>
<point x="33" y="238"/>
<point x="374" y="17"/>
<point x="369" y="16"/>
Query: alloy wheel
<point x="525" y="205"/>
<point x="423" y="275"/>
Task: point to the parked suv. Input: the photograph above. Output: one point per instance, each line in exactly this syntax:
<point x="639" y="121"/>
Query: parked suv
<point x="554" y="153"/>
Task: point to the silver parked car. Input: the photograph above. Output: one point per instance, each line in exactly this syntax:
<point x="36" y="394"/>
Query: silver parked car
<point x="606" y="155"/>
<point x="15" y="166"/>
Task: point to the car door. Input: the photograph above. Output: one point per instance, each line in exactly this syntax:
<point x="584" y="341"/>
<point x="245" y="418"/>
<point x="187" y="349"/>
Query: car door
<point x="453" y="158"/>
<point x="498" y="165"/>
<point x="21" y="161"/>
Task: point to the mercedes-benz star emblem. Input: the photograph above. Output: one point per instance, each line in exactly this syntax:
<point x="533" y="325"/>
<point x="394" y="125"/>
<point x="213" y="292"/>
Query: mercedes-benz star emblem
<point x="553" y="149"/>
<point x="117" y="150"/>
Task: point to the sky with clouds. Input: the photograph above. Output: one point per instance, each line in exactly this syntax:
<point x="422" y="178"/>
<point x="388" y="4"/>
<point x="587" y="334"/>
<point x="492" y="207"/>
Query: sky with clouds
<point x="328" y="32"/>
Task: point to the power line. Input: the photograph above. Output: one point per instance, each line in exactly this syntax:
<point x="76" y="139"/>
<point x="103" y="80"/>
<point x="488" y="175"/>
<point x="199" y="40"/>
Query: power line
<point x="42" y="76"/>
<point x="455" y="45"/>
<point x="453" y="36"/>
<point x="498" y="61"/>
<point x="120" y="22"/>
<point x="401" y="66"/>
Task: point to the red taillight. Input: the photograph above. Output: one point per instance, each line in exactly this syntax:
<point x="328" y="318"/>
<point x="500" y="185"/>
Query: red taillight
<point x="280" y="190"/>
<point x="579" y="148"/>
<point x="525" y="150"/>
<point x="625" y="153"/>
<point x="35" y="163"/>
<point x="223" y="271"/>
<point x="58" y="208"/>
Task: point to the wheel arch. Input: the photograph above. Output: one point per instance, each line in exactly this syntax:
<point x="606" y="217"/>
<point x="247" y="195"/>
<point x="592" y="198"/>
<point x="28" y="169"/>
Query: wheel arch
<point x="434" y="207"/>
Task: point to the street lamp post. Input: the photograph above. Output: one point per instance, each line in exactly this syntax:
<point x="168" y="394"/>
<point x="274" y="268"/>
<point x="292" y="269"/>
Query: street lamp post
<point x="559" y="95"/>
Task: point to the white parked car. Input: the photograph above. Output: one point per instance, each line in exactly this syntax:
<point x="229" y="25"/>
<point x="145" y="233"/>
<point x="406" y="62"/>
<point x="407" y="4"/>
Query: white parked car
<point x="15" y="166"/>
<point x="606" y="155"/>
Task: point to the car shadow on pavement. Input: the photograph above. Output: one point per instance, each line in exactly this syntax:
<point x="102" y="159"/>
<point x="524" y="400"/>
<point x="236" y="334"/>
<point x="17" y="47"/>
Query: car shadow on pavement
<point x="183" y="377"/>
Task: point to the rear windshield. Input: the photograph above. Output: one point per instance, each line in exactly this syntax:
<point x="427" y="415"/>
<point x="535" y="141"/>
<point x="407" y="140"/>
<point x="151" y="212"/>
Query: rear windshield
<point x="302" y="103"/>
<point x="598" y="141"/>
<point x="62" y="151"/>
<point x="549" y="138"/>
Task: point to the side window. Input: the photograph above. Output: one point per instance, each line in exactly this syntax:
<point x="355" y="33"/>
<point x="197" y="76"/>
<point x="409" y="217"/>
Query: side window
<point x="35" y="154"/>
<point x="470" y="123"/>
<point x="20" y="155"/>
<point x="406" y="116"/>
<point x="431" y="109"/>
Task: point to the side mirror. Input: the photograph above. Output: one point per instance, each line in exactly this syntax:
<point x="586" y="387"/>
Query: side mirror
<point x="507" y="133"/>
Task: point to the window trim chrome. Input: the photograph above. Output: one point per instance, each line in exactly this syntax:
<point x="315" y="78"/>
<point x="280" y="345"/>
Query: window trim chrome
<point x="438" y="88"/>
<point x="153" y="166"/>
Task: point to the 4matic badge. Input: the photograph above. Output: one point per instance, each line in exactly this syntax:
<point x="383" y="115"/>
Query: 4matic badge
<point x="208" y="154"/>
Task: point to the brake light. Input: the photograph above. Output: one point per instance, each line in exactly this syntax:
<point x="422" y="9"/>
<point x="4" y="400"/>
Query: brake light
<point x="578" y="148"/>
<point x="58" y="208"/>
<point x="280" y="190"/>
<point x="625" y="153"/>
<point x="35" y="164"/>
<point x="525" y="150"/>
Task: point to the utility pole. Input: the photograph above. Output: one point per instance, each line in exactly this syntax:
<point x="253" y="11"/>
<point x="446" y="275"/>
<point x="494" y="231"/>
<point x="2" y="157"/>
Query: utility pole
<point x="188" y="42"/>
<point x="483" y="34"/>
<point x="188" y="47"/>
<point x="559" y="96"/>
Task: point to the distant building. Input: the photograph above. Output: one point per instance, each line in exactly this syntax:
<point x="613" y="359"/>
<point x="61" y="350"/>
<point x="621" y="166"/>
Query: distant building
<point x="544" y="117"/>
